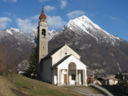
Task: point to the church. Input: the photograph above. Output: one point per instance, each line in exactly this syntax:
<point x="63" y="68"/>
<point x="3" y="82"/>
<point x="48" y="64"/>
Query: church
<point x="62" y="66"/>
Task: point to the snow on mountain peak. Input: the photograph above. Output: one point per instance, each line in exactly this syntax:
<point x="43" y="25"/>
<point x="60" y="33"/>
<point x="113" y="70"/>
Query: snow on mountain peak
<point x="83" y="22"/>
<point x="84" y="25"/>
<point x="15" y="29"/>
<point x="52" y="33"/>
<point x="11" y="30"/>
<point x="85" y="19"/>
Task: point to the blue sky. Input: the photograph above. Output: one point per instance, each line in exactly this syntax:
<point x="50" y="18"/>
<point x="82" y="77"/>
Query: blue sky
<point x="111" y="15"/>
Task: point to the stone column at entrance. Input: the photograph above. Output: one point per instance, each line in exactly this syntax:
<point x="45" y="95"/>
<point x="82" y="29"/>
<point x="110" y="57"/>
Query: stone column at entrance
<point x="67" y="77"/>
<point x="58" y="77"/>
<point x="79" y="77"/>
<point x="76" y="83"/>
<point x="84" y="77"/>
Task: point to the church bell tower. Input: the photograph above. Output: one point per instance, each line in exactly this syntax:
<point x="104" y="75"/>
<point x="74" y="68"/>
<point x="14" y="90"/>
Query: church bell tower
<point x="42" y="37"/>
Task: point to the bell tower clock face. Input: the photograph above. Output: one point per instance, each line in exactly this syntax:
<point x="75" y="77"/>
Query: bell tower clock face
<point x="43" y="32"/>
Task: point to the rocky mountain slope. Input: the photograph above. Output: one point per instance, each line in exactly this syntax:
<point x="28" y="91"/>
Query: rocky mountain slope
<point x="100" y="51"/>
<point x="15" y="48"/>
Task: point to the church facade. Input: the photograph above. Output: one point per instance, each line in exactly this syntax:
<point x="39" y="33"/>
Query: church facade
<point x="62" y="66"/>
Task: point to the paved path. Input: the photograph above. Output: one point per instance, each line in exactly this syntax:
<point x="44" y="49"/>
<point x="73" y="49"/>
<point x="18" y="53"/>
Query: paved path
<point x="87" y="91"/>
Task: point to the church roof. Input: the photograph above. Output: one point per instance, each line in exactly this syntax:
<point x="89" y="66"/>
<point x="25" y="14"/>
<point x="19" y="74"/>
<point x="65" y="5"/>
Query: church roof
<point x="69" y="59"/>
<point x="61" y="60"/>
<point x="52" y="52"/>
<point x="42" y="16"/>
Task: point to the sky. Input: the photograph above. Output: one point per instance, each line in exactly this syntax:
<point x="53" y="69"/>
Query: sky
<point x="111" y="15"/>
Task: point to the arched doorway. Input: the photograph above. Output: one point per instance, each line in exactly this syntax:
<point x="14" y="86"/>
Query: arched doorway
<point x="72" y="73"/>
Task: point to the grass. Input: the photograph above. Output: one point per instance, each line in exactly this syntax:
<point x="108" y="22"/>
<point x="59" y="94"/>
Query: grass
<point x="17" y="85"/>
<point x="5" y="86"/>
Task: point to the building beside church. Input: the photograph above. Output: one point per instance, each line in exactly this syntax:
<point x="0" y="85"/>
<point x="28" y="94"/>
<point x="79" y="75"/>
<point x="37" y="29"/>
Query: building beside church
<point x="61" y="66"/>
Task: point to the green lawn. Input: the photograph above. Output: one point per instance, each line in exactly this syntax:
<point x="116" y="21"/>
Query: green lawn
<point x="17" y="85"/>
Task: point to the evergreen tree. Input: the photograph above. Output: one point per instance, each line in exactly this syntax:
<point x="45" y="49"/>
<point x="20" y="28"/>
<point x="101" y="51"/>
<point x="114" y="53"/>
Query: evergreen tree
<point x="32" y="69"/>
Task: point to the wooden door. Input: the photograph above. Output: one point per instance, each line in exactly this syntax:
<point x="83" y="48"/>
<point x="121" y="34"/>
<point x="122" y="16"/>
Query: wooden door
<point x="65" y="78"/>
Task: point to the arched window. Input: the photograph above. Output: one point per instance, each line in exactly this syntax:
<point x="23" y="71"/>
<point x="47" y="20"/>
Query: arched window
<point x="72" y="66"/>
<point x="43" y="32"/>
<point x="72" y="70"/>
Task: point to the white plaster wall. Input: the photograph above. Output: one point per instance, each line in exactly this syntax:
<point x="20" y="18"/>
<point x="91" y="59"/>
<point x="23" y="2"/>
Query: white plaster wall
<point x="71" y="82"/>
<point x="55" y="78"/>
<point x="61" y="54"/>
<point x="79" y="66"/>
<point x="62" y="76"/>
<point x="65" y="64"/>
<point x="79" y="77"/>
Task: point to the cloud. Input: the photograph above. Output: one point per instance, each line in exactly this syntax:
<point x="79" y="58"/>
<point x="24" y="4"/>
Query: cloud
<point x="44" y="1"/>
<point x="75" y="14"/>
<point x="28" y="24"/>
<point x="49" y="8"/>
<point x="36" y="17"/>
<point x="14" y="1"/>
<point x="9" y="14"/>
<point x="55" y="22"/>
<point x="4" y="22"/>
<point x="63" y="3"/>
<point x="113" y="18"/>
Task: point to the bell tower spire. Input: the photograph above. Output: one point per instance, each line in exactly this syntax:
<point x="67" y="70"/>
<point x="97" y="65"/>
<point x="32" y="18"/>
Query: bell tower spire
<point x="42" y="36"/>
<point x="42" y="16"/>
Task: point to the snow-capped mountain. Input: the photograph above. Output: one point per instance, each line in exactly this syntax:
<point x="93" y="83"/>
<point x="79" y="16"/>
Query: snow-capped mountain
<point x="51" y="34"/>
<point x="99" y="50"/>
<point x="16" y="33"/>
<point x="84" y="24"/>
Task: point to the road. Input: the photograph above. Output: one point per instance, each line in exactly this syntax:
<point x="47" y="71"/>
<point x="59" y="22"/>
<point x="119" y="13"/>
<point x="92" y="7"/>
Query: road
<point x="87" y="91"/>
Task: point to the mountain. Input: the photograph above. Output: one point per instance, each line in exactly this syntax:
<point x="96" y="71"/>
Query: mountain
<point x="51" y="34"/>
<point x="83" y="25"/>
<point x="15" y="48"/>
<point x="100" y="51"/>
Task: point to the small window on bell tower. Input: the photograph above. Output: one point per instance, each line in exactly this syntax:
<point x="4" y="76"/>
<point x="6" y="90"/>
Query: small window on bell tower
<point x="43" y="32"/>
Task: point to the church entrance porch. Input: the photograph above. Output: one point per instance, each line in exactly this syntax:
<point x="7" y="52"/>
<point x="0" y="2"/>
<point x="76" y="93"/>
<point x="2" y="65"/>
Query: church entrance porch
<point x="70" y="77"/>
